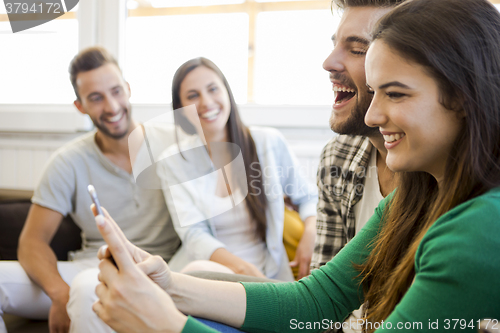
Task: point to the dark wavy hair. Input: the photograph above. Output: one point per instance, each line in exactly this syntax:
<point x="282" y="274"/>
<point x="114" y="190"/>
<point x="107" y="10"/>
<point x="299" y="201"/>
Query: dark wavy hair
<point x="238" y="134"/>
<point x="457" y="43"/>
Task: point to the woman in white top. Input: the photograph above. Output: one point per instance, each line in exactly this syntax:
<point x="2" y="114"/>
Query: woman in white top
<point x="224" y="183"/>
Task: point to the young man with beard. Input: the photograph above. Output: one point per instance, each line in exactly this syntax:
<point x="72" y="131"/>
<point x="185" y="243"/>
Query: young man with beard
<point x="352" y="175"/>
<point x="100" y="158"/>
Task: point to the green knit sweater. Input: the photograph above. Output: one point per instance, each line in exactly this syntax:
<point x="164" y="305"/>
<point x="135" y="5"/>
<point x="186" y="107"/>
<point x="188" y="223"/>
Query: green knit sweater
<point x="457" y="280"/>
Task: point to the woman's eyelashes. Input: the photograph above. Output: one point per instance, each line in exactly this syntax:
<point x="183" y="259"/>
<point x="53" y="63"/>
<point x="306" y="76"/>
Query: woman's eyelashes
<point x="394" y="95"/>
<point x="192" y="96"/>
<point x="390" y="94"/>
<point x="211" y="89"/>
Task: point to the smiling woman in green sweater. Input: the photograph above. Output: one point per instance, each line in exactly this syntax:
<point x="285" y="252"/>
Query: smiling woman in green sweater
<point x="429" y="259"/>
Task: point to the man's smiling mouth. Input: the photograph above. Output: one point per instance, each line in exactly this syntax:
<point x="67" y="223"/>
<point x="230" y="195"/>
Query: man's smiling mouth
<point x="343" y="93"/>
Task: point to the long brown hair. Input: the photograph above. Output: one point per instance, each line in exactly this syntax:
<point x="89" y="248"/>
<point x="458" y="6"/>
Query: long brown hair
<point x="238" y="133"/>
<point x="457" y="43"/>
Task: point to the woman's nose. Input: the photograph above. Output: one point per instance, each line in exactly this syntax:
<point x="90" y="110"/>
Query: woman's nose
<point x="375" y="115"/>
<point x="205" y="101"/>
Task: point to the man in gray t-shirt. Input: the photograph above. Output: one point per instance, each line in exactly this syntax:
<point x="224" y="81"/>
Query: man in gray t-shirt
<point x="101" y="158"/>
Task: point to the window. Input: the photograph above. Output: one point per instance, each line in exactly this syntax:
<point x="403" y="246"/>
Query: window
<point x="270" y="51"/>
<point x="35" y="70"/>
<point x="290" y="50"/>
<point x="156" y="46"/>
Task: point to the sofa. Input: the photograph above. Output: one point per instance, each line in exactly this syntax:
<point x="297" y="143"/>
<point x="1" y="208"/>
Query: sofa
<point x="13" y="214"/>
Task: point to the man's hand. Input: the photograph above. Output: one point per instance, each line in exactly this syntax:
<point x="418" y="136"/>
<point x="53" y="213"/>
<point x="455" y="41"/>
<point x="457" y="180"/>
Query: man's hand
<point x="40" y="263"/>
<point x="129" y="301"/>
<point x="305" y="248"/>
<point x="58" y="316"/>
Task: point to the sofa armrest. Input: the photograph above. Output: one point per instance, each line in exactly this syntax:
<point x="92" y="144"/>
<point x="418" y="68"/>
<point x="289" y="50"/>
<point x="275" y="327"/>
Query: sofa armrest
<point x="12" y="217"/>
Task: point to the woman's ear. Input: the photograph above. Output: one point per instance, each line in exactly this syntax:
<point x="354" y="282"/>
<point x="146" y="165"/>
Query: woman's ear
<point x="460" y="108"/>
<point x="461" y="113"/>
<point x="458" y="105"/>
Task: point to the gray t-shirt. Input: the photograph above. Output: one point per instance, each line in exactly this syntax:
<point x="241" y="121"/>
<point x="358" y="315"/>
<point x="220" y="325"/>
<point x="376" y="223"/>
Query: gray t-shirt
<point x="141" y="213"/>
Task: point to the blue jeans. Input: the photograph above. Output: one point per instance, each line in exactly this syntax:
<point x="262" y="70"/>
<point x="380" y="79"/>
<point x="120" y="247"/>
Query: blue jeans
<point x="218" y="326"/>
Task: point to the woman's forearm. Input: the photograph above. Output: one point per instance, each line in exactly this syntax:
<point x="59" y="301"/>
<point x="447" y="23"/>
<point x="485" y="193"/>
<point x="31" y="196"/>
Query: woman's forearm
<point x="235" y="263"/>
<point x="220" y="301"/>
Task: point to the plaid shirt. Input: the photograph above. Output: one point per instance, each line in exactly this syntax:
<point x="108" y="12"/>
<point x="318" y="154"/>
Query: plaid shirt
<point x="341" y="177"/>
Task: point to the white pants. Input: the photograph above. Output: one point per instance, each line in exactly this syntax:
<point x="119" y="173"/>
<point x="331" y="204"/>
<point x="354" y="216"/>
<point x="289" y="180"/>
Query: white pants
<point x="22" y="297"/>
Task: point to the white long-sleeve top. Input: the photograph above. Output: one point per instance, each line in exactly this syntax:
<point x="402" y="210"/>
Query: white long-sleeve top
<point x="189" y="185"/>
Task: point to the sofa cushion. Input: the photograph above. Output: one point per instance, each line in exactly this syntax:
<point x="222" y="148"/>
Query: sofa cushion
<point x="12" y="217"/>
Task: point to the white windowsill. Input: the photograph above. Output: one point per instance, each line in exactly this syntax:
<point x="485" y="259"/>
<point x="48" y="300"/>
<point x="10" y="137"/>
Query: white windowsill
<point x="64" y="118"/>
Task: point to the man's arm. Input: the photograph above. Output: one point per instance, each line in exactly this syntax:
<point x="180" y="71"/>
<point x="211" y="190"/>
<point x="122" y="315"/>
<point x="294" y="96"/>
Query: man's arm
<point x="40" y="262"/>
